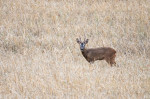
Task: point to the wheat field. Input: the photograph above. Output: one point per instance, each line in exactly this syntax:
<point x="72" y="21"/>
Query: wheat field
<point x="40" y="58"/>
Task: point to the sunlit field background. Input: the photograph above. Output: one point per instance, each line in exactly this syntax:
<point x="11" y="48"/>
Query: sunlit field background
<point x="39" y="56"/>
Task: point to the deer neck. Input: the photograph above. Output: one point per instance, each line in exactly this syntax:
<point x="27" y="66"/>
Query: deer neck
<point x="84" y="53"/>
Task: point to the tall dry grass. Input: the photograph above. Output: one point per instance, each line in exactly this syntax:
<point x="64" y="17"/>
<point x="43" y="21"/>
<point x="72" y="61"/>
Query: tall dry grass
<point x="39" y="56"/>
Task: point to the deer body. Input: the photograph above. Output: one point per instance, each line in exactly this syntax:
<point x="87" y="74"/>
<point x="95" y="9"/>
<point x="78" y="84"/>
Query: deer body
<point x="102" y="53"/>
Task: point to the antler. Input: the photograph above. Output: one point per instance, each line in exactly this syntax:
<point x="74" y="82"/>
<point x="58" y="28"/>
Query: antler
<point x="85" y="40"/>
<point x="78" y="40"/>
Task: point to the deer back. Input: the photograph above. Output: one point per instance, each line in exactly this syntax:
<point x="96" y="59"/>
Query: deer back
<point x="98" y="53"/>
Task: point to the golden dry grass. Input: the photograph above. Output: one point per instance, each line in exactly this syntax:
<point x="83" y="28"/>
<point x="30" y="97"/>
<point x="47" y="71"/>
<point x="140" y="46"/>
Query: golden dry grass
<point x="39" y="56"/>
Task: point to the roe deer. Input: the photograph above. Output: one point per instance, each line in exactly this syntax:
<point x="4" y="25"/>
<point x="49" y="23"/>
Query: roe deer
<point x="93" y="54"/>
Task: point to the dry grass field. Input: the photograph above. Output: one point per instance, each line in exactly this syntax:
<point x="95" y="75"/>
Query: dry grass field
<point x="39" y="56"/>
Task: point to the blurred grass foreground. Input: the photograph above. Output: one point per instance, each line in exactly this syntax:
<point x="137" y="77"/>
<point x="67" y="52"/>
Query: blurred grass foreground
<point x="39" y="56"/>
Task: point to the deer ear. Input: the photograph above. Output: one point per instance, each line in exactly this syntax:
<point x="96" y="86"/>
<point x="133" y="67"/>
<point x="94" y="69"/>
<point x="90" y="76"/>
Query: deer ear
<point x="77" y="40"/>
<point x="86" y="41"/>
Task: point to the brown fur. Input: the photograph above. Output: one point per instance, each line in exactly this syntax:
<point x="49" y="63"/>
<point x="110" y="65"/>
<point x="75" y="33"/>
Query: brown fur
<point x="103" y="53"/>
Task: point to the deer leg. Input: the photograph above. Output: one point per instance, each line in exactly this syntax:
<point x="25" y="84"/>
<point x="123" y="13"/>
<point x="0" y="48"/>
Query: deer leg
<point x="113" y="59"/>
<point x="111" y="63"/>
<point x="91" y="62"/>
<point x="108" y="61"/>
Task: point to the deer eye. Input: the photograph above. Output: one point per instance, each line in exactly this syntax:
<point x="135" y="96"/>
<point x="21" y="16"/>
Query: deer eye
<point x="82" y="44"/>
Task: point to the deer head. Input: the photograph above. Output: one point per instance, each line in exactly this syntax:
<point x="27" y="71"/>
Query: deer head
<point x="82" y="44"/>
